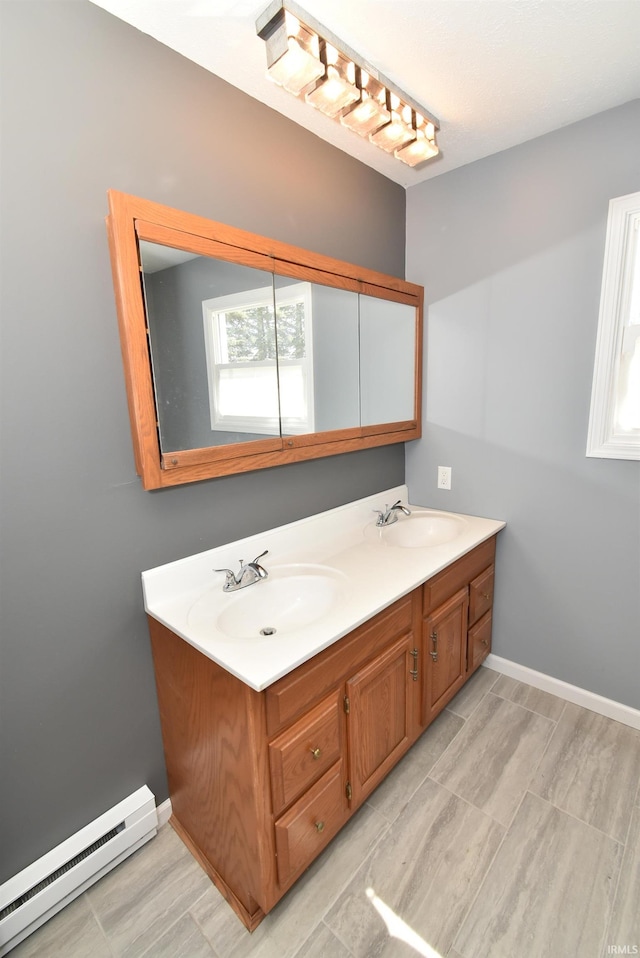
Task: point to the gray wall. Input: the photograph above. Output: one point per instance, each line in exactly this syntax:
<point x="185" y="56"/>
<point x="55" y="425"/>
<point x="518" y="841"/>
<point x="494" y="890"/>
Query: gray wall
<point x="90" y="103"/>
<point x="510" y="250"/>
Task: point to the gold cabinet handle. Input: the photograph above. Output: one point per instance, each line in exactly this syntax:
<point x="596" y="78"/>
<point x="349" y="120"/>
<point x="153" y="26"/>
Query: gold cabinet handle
<point x="434" y="639"/>
<point x="484" y="642"/>
<point x="485" y="595"/>
<point x="316" y="753"/>
<point x="319" y="826"/>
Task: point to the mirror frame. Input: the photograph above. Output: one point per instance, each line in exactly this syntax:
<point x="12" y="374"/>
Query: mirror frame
<point x="132" y="219"/>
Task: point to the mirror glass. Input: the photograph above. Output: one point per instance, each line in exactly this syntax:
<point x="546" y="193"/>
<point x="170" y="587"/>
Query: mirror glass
<point x="212" y="337"/>
<point x="239" y="354"/>
<point x="387" y="360"/>
<point x="318" y="357"/>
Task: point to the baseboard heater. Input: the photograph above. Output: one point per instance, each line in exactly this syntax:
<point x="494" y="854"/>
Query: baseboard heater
<point x="39" y="891"/>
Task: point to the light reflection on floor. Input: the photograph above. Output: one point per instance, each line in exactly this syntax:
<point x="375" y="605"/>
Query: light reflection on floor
<point x="398" y="928"/>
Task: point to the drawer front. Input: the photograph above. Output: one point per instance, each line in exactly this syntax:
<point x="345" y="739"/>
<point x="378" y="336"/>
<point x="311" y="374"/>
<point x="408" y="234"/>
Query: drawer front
<point x="456" y="576"/>
<point x="291" y="696"/>
<point x="480" y="595"/>
<point x="310" y="824"/>
<point x="479" y="642"/>
<point x="302" y="753"/>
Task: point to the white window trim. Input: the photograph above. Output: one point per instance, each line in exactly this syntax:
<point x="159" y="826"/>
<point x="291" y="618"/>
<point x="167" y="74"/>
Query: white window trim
<point x="623" y="232"/>
<point x="259" y="425"/>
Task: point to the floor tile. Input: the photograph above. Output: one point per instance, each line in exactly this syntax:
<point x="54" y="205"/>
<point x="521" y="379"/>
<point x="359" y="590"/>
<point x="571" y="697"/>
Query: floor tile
<point x="442" y="871"/>
<point x="492" y="758"/>
<point x="591" y="770"/>
<point x="393" y="794"/>
<point x="182" y="940"/>
<point x="72" y="933"/>
<point x="420" y="880"/>
<point x="472" y="692"/>
<point x="218" y="921"/>
<point x="548" y="892"/>
<point x="283" y="931"/>
<point x="142" y="898"/>
<point x="322" y="944"/>
<point x="535" y="699"/>
<point x="625" y="921"/>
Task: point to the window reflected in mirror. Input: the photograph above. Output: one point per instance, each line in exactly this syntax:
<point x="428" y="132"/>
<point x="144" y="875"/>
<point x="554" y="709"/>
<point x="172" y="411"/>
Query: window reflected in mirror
<point x="260" y="370"/>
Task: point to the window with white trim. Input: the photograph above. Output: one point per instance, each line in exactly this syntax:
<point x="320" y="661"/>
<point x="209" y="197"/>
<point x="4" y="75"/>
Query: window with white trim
<point x="260" y="370"/>
<point x="614" y="419"/>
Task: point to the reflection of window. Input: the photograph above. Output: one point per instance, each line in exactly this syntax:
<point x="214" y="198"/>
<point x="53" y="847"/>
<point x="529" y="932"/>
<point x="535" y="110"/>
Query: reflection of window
<point x="614" y="422"/>
<point x="254" y="384"/>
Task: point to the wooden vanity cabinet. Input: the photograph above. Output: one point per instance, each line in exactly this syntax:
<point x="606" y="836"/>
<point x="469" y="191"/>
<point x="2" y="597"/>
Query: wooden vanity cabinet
<point x="260" y="782"/>
<point x="456" y="634"/>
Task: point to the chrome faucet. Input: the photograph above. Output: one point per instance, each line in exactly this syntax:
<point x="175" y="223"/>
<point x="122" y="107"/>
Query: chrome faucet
<point x="248" y="573"/>
<point x="390" y="513"/>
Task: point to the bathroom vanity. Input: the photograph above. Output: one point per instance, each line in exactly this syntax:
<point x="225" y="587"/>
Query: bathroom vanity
<point x="273" y="741"/>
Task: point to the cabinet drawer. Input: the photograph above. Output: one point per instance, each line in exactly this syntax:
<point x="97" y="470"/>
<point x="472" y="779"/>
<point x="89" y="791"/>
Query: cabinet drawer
<point x="479" y="642"/>
<point x="302" y="753"/>
<point x="480" y="595"/>
<point x="458" y="575"/>
<point x="309" y="825"/>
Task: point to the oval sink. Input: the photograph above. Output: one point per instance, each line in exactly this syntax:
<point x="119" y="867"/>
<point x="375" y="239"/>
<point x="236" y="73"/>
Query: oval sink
<point x="290" y="599"/>
<point x="422" y="530"/>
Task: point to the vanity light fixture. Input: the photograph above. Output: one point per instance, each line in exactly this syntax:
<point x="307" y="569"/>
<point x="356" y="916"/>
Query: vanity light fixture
<point x="309" y="61"/>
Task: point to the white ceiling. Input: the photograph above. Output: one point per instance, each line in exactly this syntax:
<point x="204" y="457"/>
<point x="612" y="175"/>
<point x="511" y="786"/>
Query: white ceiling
<point x="495" y="72"/>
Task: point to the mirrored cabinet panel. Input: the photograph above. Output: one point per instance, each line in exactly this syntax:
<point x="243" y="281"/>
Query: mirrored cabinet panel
<point x="387" y="358"/>
<point x="242" y="353"/>
<point x="327" y="385"/>
<point x="213" y="357"/>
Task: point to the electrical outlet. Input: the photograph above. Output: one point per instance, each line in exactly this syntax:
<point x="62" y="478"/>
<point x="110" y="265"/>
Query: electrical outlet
<point x="444" y="477"/>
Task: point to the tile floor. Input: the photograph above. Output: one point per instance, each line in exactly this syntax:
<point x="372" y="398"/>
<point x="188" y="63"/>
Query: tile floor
<point x="512" y="828"/>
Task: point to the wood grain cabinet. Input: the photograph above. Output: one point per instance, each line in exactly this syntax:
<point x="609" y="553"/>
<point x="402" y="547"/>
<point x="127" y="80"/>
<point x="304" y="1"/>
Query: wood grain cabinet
<point x="456" y="634"/>
<point x="260" y="782"/>
<point x="380" y="716"/>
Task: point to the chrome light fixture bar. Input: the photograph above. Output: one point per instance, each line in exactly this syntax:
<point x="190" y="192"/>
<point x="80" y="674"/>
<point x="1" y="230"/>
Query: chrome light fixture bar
<point x="309" y="61"/>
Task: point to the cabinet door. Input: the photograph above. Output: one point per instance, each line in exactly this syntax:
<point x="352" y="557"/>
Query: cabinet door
<point x="445" y="653"/>
<point x="379" y="720"/>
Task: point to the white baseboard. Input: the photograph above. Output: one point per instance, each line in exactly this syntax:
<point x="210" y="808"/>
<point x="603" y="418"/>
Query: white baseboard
<point x="572" y="693"/>
<point x="164" y="812"/>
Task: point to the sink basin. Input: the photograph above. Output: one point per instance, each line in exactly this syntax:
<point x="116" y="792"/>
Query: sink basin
<point x="422" y="530"/>
<point x="291" y="598"/>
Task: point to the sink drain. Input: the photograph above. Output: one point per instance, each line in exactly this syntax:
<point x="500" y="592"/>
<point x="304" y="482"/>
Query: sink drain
<point x="268" y="630"/>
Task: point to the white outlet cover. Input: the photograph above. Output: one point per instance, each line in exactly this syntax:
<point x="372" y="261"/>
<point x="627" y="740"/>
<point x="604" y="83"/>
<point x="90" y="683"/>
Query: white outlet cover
<point x="444" y="477"/>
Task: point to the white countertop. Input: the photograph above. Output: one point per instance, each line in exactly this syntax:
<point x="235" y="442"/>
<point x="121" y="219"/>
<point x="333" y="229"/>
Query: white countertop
<point x="370" y="574"/>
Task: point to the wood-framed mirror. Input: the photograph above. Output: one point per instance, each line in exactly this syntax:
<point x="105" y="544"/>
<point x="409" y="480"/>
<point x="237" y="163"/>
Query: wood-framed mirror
<point x="242" y="352"/>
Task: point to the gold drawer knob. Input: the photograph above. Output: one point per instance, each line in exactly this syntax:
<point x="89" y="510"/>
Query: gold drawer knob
<point x="319" y="826"/>
<point x="316" y="753"/>
<point x="485" y="595"/>
<point x="484" y="642"/>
